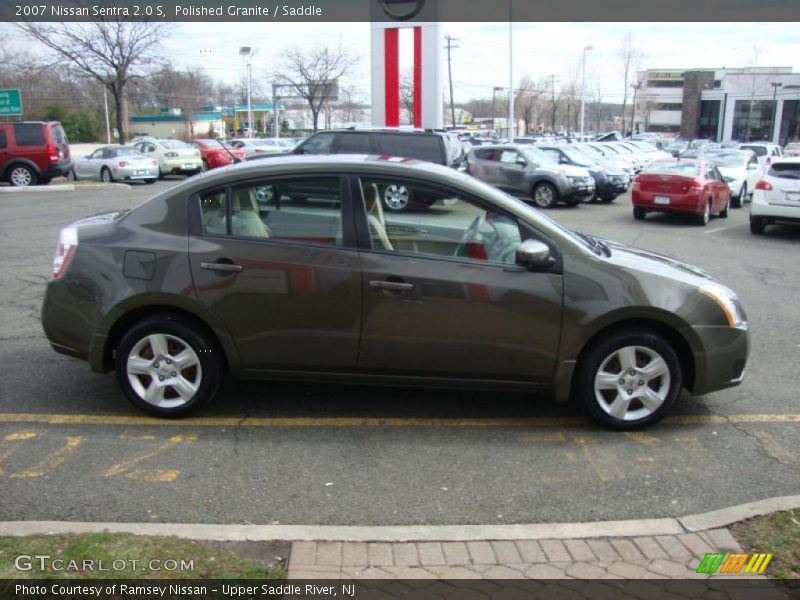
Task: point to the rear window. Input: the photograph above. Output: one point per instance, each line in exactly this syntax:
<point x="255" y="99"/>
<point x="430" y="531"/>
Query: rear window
<point x="758" y="150"/>
<point x="792" y="147"/>
<point x="29" y="134"/>
<point x="59" y="135"/>
<point x="175" y="144"/>
<point x="421" y="147"/>
<point x="675" y="168"/>
<point x="789" y="170"/>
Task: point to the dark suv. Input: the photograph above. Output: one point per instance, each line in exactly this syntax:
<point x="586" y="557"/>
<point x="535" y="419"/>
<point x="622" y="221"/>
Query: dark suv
<point x="33" y="152"/>
<point x="430" y="145"/>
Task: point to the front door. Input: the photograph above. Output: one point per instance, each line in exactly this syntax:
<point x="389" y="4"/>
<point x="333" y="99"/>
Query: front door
<point x="274" y="263"/>
<point x="443" y="296"/>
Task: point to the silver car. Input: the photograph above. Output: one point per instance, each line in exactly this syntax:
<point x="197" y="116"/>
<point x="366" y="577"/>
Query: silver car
<point x="527" y="171"/>
<point x="173" y="156"/>
<point x="253" y="146"/>
<point x="116" y="163"/>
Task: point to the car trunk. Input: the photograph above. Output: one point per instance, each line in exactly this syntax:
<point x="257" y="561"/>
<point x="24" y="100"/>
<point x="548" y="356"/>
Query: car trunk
<point x="663" y="183"/>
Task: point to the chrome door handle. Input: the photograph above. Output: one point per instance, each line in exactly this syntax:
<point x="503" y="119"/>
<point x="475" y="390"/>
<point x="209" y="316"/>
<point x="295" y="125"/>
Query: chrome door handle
<point x="221" y="266"/>
<point x="395" y="286"/>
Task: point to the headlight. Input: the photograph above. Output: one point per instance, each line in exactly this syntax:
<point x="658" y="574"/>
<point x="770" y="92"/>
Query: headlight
<point x="576" y="180"/>
<point x="727" y="301"/>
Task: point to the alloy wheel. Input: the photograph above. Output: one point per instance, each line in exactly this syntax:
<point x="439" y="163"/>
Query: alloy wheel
<point x="396" y="197"/>
<point x="20" y="176"/>
<point x="164" y="370"/>
<point x="632" y="383"/>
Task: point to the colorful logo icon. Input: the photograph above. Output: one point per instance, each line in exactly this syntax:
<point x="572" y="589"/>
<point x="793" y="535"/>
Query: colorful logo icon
<point x="734" y="563"/>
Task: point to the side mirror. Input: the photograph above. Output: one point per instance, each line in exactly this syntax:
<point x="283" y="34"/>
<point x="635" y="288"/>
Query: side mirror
<point x="522" y="162"/>
<point x="752" y="167"/>
<point x="534" y="254"/>
<point x="563" y="160"/>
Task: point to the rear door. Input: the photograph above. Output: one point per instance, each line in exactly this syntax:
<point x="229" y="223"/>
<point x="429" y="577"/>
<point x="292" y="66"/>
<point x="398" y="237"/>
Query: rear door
<point x="512" y="171"/>
<point x="3" y="149"/>
<point x="281" y="272"/>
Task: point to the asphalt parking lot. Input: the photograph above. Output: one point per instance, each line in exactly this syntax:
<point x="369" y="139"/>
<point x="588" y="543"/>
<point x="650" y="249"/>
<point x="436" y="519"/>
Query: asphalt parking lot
<point x="72" y="448"/>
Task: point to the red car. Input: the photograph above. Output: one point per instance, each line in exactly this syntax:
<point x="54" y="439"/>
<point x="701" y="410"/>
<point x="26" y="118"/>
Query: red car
<point x="215" y="154"/>
<point x="33" y="152"/>
<point x="681" y="185"/>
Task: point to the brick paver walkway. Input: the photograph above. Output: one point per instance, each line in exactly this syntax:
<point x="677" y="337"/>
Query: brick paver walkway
<point x="657" y="557"/>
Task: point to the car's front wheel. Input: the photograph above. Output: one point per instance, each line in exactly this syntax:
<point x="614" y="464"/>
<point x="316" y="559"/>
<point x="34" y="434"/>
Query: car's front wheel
<point x="168" y="366"/>
<point x="545" y="195"/>
<point x="628" y="379"/>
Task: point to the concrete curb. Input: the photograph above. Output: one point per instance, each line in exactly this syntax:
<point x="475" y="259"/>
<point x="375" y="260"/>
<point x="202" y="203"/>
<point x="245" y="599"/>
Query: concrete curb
<point x="726" y="516"/>
<point x="66" y="187"/>
<point x="417" y="533"/>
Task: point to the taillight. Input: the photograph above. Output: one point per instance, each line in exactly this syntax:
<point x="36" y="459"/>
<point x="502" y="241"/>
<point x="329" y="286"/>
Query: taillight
<point x="52" y="152"/>
<point x="763" y="185"/>
<point x="67" y="244"/>
<point x="122" y="163"/>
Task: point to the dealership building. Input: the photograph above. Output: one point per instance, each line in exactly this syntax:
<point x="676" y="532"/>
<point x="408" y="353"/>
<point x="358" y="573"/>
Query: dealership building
<point x="760" y="103"/>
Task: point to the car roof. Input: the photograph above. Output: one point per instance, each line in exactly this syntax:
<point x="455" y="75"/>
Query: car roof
<point x="787" y="159"/>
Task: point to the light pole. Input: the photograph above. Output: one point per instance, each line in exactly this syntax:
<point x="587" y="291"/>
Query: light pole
<point x="494" y="91"/>
<point x="635" y="87"/>
<point x="249" y="52"/>
<point x="775" y="85"/>
<point x="510" y="74"/>
<point x="583" y="85"/>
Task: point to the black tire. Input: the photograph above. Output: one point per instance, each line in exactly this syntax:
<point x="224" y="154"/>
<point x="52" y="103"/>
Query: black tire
<point x="44" y="181"/>
<point x="71" y="176"/>
<point x="723" y="214"/>
<point x="180" y="332"/>
<point x="149" y="181"/>
<point x="757" y="225"/>
<point x="603" y="354"/>
<point x="21" y="176"/>
<point x="703" y="218"/>
<point x="105" y="175"/>
<point x="545" y="195"/>
<point x="739" y="200"/>
<point x="608" y="199"/>
<point x="639" y="213"/>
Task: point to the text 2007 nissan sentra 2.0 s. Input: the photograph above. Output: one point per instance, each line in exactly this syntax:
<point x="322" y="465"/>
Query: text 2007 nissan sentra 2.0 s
<point x="289" y="268"/>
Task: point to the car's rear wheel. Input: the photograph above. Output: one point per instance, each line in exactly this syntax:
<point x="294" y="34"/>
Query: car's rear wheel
<point x="396" y="197"/>
<point x="149" y="180"/>
<point x="21" y="176"/>
<point x="628" y="379"/>
<point x="71" y="176"/>
<point x="704" y="217"/>
<point x="105" y="176"/>
<point x="739" y="200"/>
<point x="545" y="195"/>
<point x="639" y="213"/>
<point x="757" y="225"/>
<point x="723" y="214"/>
<point x="168" y="366"/>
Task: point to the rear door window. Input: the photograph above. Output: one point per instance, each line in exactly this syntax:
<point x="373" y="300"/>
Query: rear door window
<point x="318" y="144"/>
<point x="3" y="142"/>
<point x="421" y="147"/>
<point x="29" y="134"/>
<point x="352" y="143"/>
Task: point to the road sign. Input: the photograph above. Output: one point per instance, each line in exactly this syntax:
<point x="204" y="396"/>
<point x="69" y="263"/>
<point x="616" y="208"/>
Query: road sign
<point x="10" y="102"/>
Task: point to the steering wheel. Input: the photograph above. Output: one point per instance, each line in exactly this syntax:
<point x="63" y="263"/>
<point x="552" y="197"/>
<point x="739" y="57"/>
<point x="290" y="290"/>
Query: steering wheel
<point x="470" y="235"/>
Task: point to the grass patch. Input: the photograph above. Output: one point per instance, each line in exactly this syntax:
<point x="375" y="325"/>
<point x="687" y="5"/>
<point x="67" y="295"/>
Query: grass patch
<point x="778" y="533"/>
<point x="209" y="559"/>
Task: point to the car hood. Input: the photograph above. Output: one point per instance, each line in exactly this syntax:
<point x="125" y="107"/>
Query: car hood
<point x="572" y="171"/>
<point x="656" y="264"/>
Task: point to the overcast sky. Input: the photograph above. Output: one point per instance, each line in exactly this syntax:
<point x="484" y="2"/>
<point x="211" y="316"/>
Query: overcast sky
<point x="481" y="60"/>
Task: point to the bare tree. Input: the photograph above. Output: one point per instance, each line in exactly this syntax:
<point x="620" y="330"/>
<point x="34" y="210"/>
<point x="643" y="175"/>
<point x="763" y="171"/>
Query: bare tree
<point x="185" y="90"/>
<point x="407" y="94"/>
<point x="111" y="52"/>
<point x="758" y="81"/>
<point x="350" y="105"/>
<point x="314" y="74"/>
<point x="528" y="104"/>
<point x="630" y="54"/>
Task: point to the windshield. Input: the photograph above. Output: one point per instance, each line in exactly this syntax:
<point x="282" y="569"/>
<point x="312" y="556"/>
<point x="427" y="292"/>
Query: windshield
<point x="758" y="150"/>
<point x="675" y="168"/>
<point x="623" y="149"/>
<point x="578" y="157"/>
<point x="537" y="156"/>
<point x="608" y="150"/>
<point x="591" y="150"/>
<point x="174" y="144"/>
<point x="727" y="160"/>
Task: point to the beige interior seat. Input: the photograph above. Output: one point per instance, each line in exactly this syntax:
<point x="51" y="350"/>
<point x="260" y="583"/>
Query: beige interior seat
<point x="245" y="219"/>
<point x="375" y="219"/>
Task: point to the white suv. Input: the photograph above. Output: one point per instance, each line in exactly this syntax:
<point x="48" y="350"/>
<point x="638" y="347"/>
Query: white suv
<point x="777" y="195"/>
<point x="764" y="151"/>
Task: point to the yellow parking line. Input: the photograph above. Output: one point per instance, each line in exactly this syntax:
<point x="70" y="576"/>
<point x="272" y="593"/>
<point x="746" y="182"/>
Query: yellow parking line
<point x="498" y="422"/>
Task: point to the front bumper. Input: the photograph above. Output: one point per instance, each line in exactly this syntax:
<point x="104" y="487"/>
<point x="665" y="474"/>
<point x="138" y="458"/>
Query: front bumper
<point x="721" y="357"/>
<point x="611" y="186"/>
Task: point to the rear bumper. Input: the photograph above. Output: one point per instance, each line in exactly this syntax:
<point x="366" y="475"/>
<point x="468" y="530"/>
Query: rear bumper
<point x="59" y="169"/>
<point x="760" y="207"/>
<point x="690" y="203"/>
